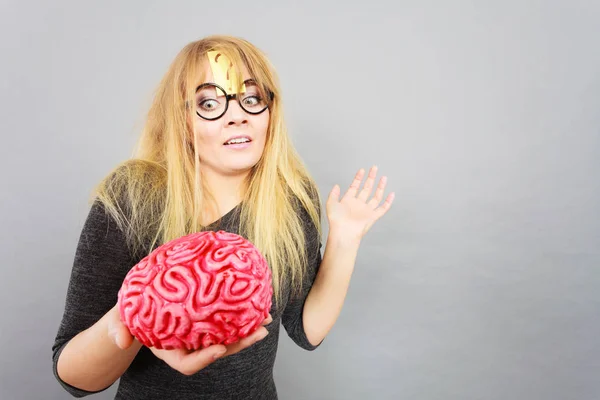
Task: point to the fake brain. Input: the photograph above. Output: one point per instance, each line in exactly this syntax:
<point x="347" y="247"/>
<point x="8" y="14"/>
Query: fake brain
<point x="195" y="291"/>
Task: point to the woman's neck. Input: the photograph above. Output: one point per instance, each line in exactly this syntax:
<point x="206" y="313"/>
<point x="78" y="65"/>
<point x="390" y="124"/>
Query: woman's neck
<point x="227" y="191"/>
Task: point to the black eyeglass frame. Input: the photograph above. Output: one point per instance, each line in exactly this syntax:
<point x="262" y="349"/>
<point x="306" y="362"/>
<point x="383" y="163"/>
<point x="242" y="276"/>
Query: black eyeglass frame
<point x="229" y="97"/>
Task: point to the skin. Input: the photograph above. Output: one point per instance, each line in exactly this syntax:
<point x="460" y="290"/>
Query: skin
<point x="350" y="218"/>
<point x="225" y="169"/>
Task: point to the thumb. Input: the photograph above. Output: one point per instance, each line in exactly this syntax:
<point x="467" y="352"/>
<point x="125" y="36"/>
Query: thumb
<point x="118" y="331"/>
<point x="123" y="337"/>
<point x="334" y="195"/>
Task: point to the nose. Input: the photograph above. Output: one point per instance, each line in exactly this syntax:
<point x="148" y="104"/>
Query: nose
<point x="235" y="114"/>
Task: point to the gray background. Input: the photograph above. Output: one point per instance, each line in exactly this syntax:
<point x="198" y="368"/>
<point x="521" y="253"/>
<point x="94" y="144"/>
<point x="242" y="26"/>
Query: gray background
<point x="483" y="280"/>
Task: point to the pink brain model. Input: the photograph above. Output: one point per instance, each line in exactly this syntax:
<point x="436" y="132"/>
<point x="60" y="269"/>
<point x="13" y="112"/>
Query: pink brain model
<point x="197" y="290"/>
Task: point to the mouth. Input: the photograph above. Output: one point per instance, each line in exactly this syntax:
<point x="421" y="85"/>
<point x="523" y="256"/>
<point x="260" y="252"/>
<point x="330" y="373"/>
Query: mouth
<point x="237" y="140"/>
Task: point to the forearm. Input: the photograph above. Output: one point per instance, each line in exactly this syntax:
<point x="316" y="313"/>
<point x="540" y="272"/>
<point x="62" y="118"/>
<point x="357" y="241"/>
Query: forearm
<point x="326" y="297"/>
<point x="92" y="361"/>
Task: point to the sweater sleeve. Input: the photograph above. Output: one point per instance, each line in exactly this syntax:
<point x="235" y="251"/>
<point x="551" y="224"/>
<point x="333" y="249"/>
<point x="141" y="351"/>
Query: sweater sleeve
<point x="291" y="318"/>
<point x="102" y="259"/>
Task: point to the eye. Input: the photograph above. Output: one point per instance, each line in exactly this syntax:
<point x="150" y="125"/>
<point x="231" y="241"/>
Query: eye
<point x="208" y="104"/>
<point x="252" y="100"/>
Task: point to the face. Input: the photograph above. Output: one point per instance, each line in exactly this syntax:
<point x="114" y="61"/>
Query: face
<point x="233" y="143"/>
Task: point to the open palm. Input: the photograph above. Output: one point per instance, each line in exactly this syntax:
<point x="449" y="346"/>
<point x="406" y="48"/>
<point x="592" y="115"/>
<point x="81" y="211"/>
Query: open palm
<point x="355" y="213"/>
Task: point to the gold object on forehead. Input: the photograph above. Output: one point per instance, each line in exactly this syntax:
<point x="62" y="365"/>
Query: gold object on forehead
<point x="223" y="73"/>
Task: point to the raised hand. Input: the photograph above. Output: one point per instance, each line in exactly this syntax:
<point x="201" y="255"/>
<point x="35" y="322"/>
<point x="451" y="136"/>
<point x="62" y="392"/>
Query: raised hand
<point x="355" y="213"/>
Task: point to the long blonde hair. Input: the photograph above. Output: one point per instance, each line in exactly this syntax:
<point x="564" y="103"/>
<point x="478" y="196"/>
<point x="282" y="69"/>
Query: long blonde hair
<point x="158" y="195"/>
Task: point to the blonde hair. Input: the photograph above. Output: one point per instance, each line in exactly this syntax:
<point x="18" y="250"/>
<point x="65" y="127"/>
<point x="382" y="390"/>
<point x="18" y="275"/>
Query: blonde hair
<point x="158" y="195"/>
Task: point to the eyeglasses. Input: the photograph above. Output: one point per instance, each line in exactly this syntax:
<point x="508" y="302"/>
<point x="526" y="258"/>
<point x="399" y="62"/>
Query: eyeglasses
<point x="212" y="101"/>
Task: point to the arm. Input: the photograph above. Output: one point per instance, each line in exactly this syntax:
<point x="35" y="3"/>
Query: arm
<point x="326" y="297"/>
<point x="85" y="358"/>
<point x="349" y="220"/>
<point x="291" y="318"/>
<point x="91" y="361"/>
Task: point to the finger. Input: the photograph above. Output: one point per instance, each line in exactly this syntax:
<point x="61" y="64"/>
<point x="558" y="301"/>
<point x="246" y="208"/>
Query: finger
<point x="268" y="320"/>
<point x="355" y="183"/>
<point x="374" y="202"/>
<point x="334" y="195"/>
<point x="382" y="209"/>
<point x="366" y="191"/>
<point x="190" y="363"/>
<point x="248" y="341"/>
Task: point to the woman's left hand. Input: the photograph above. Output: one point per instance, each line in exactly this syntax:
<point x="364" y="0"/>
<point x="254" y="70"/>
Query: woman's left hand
<point x="354" y="214"/>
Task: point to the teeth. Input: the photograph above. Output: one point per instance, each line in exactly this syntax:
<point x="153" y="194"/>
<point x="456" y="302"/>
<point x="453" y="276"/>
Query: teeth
<point x="238" y="140"/>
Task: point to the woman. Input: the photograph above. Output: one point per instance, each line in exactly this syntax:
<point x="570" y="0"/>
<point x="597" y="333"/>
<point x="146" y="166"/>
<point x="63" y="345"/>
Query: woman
<point x="214" y="154"/>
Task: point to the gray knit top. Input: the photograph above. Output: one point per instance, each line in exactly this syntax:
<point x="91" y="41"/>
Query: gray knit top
<point x="102" y="260"/>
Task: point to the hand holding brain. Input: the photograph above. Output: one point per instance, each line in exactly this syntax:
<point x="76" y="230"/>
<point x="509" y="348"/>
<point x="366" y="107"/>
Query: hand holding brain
<point x="195" y="291"/>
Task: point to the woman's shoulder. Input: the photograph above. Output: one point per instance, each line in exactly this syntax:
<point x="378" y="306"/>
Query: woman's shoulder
<point x="133" y="194"/>
<point x="131" y="181"/>
<point x="136" y="173"/>
<point x="308" y="209"/>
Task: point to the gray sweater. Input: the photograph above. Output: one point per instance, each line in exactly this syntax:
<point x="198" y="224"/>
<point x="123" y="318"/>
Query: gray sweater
<point x="102" y="260"/>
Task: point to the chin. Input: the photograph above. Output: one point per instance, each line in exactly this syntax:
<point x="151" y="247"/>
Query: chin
<point x="240" y="168"/>
<point x="241" y="164"/>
